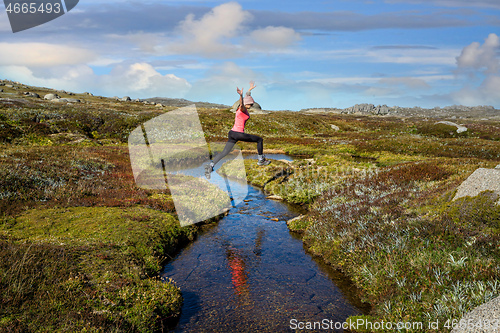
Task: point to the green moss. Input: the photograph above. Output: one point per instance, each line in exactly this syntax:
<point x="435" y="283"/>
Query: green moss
<point x="440" y="130"/>
<point x="481" y="212"/>
<point x="111" y="252"/>
<point x="299" y="225"/>
<point x="137" y="229"/>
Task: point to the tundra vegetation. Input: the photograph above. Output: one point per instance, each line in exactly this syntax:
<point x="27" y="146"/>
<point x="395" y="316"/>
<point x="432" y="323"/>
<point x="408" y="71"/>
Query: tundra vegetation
<point x="81" y="245"/>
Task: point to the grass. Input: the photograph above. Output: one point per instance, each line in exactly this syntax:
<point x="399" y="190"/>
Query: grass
<point x="415" y="255"/>
<point x="81" y="245"/>
<point x="89" y="268"/>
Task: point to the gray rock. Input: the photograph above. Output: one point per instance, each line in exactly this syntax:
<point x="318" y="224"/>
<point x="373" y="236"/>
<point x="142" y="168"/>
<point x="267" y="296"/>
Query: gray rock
<point x="497" y="167"/>
<point x="489" y="311"/>
<point x="9" y="86"/>
<point x="480" y="180"/>
<point x="460" y="128"/>
<point x="255" y="107"/>
<point x="335" y="127"/>
<point x="51" y="97"/>
<point x="1" y="90"/>
<point x="300" y="217"/>
<point x="89" y="94"/>
<point x="367" y="109"/>
<point x="125" y="99"/>
<point x="32" y="94"/>
<point x="66" y="100"/>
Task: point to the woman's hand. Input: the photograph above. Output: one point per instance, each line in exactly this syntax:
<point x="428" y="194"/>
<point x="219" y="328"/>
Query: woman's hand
<point x="239" y="91"/>
<point x="252" y="85"/>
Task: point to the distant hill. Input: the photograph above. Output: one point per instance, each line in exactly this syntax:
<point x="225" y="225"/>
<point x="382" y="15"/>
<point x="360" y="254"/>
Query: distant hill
<point x="180" y="102"/>
<point x="454" y="111"/>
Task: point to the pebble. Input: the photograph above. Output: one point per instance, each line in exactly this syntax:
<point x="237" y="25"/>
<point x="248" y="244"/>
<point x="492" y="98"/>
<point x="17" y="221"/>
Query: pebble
<point x="295" y="219"/>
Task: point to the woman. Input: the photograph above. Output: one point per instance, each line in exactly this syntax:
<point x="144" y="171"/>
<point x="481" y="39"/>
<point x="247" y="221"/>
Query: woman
<point x="237" y="133"/>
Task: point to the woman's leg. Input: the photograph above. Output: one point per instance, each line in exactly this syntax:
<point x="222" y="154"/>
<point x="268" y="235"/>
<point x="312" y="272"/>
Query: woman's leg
<point x="227" y="149"/>
<point x="239" y="136"/>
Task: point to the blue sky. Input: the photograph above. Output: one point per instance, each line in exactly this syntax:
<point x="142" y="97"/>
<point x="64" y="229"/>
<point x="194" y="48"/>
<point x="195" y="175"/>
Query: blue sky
<point x="301" y="54"/>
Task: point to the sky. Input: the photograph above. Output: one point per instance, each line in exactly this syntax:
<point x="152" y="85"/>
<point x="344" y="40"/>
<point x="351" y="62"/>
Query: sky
<point x="301" y="54"/>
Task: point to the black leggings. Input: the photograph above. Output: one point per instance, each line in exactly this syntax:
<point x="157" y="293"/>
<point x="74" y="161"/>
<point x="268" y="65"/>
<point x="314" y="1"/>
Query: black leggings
<point x="234" y="137"/>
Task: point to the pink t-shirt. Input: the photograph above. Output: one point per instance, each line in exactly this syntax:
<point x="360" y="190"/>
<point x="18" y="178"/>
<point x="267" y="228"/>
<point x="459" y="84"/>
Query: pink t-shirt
<point x="239" y="121"/>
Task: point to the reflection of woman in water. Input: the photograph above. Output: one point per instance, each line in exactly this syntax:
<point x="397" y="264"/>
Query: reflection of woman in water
<point x="237" y="133"/>
<point x="238" y="265"/>
<point x="238" y="271"/>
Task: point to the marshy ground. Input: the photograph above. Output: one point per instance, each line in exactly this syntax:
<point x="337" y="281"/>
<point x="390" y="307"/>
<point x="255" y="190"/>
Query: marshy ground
<point x="81" y="245"/>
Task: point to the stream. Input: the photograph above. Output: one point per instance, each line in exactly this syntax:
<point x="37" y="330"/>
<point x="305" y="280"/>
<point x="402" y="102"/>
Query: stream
<point x="249" y="273"/>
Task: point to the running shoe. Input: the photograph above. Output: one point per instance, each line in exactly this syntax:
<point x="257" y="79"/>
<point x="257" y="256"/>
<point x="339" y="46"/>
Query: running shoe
<point x="208" y="170"/>
<point x="263" y="162"/>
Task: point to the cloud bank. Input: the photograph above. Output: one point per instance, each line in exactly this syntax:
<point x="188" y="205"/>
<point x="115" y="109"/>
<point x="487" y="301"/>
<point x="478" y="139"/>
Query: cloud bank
<point x="480" y="62"/>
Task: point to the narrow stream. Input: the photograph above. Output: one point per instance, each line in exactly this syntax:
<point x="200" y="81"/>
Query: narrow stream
<point x="249" y="273"/>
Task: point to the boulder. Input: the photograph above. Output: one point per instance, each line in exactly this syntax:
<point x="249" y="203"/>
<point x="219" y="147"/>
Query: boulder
<point x="479" y="181"/>
<point x="367" y="109"/>
<point x="32" y="94"/>
<point x="51" y="97"/>
<point x="66" y="100"/>
<point x="255" y="107"/>
<point x="487" y="312"/>
<point x="125" y="99"/>
<point x="460" y="128"/>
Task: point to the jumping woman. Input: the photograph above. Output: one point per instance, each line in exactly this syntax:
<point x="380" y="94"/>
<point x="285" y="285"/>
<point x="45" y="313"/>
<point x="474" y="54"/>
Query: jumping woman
<point x="237" y="133"/>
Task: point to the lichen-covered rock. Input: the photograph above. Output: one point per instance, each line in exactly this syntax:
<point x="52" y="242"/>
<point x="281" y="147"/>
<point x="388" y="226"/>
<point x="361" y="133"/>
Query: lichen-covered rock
<point x="51" y="97"/>
<point x="487" y="313"/>
<point x="479" y="181"/>
<point x="460" y="128"/>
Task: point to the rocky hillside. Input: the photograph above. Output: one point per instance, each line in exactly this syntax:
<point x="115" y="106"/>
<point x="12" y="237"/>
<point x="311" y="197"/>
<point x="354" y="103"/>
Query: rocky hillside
<point x="454" y="111"/>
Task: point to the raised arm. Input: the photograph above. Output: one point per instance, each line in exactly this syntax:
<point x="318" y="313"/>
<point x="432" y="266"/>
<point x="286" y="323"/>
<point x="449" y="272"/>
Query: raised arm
<point x="252" y="85"/>
<point x="242" y="106"/>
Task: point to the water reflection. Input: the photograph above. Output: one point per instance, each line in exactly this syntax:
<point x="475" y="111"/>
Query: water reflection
<point x="248" y="273"/>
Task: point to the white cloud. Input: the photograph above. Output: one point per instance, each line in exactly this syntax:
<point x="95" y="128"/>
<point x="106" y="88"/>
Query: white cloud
<point x="480" y="61"/>
<point x="270" y="38"/>
<point x="410" y="56"/>
<point x="477" y="56"/>
<point x="409" y="82"/>
<point x="141" y="79"/>
<point x="72" y="78"/>
<point x="43" y="55"/>
<point x="135" y="79"/>
<point x="413" y="56"/>
<point x="211" y="35"/>
<point x="219" y="83"/>
<point x="453" y="3"/>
